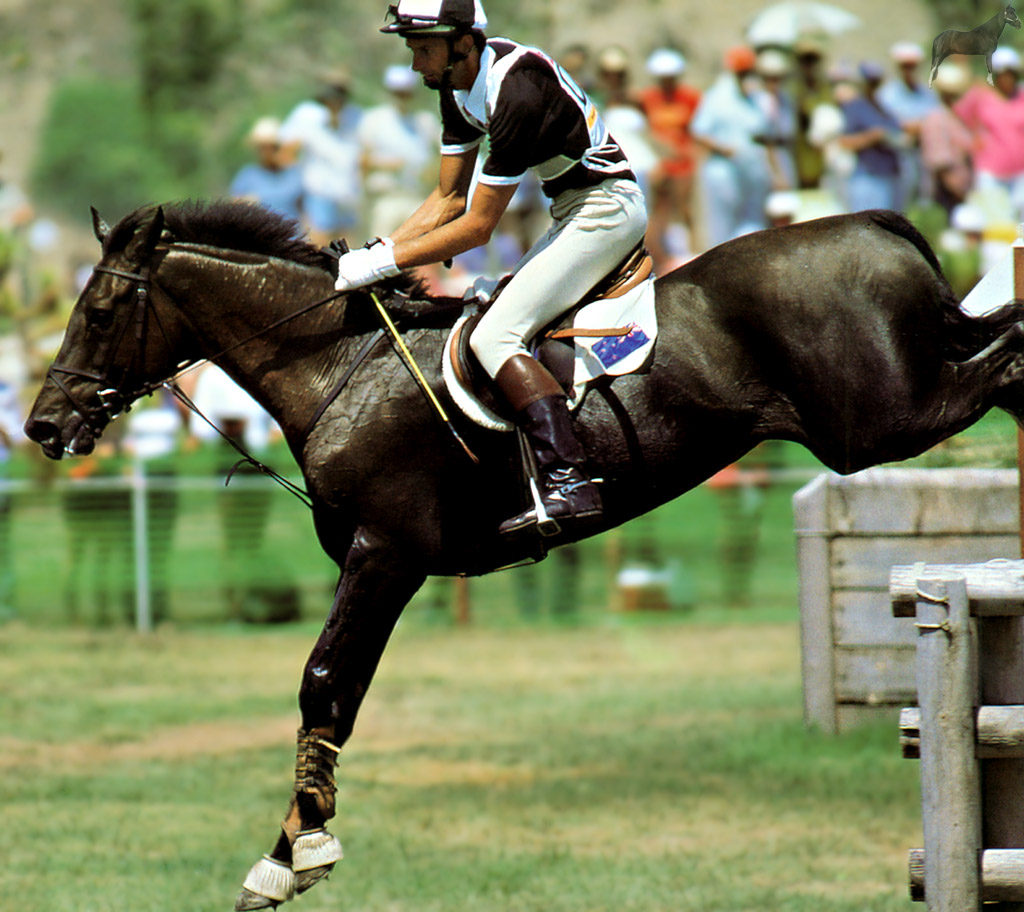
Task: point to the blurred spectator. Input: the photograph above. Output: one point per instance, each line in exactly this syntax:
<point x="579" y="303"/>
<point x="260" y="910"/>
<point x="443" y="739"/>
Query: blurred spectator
<point x="874" y="136"/>
<point x="575" y="60"/>
<point x="323" y="131"/>
<point x="269" y="180"/>
<point x="669" y="106"/>
<point x="98" y="517"/>
<point x="995" y="116"/>
<point x="11" y="420"/>
<point x="773" y="68"/>
<point x="15" y="209"/>
<point x="612" y="78"/>
<point x="152" y="439"/>
<point x="398" y="144"/>
<point x="781" y="208"/>
<point x="908" y="100"/>
<point x="736" y="176"/>
<point x="812" y="89"/>
<point x="946" y="142"/>
<point x="960" y="248"/>
<point x="826" y="132"/>
<point x="256" y="587"/>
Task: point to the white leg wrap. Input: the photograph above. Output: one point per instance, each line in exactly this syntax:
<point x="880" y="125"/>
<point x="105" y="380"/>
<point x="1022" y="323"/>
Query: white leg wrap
<point x="272" y="879"/>
<point x="314" y="849"/>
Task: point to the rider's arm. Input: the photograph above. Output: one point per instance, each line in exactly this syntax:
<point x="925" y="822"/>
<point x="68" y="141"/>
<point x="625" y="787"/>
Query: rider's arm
<point x="446" y="202"/>
<point x="444" y="237"/>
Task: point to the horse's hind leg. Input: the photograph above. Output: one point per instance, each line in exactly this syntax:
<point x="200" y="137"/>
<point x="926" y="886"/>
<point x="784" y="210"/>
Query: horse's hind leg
<point x="377" y="581"/>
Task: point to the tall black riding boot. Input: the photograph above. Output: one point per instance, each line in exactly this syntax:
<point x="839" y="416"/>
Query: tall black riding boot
<point x="567" y="494"/>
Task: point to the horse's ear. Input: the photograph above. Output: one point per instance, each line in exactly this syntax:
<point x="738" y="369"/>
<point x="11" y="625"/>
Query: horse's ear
<point x="99" y="227"/>
<point x="154" y="230"/>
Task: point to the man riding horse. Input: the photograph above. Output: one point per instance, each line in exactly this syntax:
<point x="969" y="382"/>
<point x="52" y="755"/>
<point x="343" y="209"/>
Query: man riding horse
<point x="534" y="116"/>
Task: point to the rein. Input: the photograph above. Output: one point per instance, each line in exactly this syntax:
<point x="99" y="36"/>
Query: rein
<point x="113" y="399"/>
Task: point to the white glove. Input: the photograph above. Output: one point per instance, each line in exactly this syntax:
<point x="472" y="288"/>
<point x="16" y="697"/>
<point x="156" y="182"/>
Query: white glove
<point x="366" y="265"/>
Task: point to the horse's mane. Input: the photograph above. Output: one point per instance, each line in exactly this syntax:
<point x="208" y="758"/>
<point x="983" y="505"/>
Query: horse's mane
<point x="244" y="226"/>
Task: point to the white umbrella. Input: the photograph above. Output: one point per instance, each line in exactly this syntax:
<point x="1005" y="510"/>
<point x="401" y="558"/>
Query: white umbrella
<point x="784" y="23"/>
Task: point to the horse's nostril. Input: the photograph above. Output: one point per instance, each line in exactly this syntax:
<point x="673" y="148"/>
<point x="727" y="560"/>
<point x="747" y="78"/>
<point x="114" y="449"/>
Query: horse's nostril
<point x="40" y="431"/>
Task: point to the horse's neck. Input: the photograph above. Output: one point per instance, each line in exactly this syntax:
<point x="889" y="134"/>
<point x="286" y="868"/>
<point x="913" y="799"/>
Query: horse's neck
<point x="994" y="26"/>
<point x="231" y="298"/>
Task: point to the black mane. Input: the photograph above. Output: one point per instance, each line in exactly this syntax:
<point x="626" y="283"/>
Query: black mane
<point x="231" y="224"/>
<point x="248" y="227"/>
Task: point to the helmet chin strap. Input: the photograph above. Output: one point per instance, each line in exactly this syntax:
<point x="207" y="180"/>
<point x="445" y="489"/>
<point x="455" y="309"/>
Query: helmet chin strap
<point x="454" y="57"/>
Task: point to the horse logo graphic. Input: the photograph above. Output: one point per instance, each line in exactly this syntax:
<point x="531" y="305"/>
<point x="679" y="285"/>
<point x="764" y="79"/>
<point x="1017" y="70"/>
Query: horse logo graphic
<point x="980" y="40"/>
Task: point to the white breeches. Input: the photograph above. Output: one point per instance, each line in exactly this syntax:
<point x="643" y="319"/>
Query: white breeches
<point x="594" y="230"/>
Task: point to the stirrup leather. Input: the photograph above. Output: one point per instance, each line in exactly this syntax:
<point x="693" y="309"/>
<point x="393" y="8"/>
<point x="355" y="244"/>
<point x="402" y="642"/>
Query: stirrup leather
<point x="315" y="758"/>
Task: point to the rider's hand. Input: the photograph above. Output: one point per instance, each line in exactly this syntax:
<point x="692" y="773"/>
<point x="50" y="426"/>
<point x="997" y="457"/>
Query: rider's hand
<point x="366" y="265"/>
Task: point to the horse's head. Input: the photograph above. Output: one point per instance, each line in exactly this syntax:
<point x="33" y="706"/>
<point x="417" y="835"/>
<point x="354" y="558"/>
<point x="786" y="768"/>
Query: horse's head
<point x="1010" y="16"/>
<point x="116" y="342"/>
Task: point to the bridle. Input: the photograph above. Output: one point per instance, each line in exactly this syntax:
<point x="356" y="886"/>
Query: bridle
<point x="113" y="398"/>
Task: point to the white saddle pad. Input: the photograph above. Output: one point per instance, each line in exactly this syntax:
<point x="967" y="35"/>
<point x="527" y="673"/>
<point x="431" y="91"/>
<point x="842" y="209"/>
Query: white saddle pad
<point x="594" y="356"/>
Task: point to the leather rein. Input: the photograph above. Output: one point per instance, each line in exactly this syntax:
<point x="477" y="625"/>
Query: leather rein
<point x="113" y="398"/>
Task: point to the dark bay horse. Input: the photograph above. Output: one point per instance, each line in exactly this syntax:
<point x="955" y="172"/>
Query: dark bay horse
<point x="981" y="40"/>
<point x="840" y="334"/>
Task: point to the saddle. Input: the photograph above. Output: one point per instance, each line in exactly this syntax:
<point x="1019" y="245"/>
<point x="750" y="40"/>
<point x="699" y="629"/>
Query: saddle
<point x="553" y="346"/>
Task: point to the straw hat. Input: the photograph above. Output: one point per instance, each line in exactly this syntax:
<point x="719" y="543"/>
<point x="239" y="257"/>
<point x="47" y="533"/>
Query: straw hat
<point x="952" y="78"/>
<point x="266" y="131"/>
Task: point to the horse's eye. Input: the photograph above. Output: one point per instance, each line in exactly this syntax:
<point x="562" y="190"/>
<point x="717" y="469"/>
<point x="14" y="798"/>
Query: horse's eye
<point x="100" y="319"/>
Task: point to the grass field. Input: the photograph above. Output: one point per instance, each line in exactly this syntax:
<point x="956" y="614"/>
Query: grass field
<point x="530" y="761"/>
<point x="633" y="765"/>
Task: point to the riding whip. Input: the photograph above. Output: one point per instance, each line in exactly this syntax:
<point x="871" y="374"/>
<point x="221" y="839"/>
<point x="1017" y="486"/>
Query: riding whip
<point x="414" y="369"/>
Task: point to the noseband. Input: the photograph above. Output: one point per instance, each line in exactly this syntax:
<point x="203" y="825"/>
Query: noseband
<point x="112" y="398"/>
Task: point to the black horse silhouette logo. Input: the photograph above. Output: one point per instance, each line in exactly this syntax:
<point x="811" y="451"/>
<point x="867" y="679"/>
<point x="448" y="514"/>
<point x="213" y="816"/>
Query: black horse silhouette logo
<point x="980" y="40"/>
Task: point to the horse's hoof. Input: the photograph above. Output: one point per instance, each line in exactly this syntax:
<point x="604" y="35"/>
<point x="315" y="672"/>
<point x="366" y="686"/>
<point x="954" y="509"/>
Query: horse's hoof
<point x="247" y="900"/>
<point x="314" y="854"/>
<point x="306" y="879"/>
<point x="268" y="884"/>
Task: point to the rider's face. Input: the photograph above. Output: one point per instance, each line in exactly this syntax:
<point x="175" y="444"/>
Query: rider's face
<point x="429" y="58"/>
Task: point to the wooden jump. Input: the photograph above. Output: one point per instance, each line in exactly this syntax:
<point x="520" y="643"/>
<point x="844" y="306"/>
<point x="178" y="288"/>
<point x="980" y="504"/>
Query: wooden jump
<point x="968" y="730"/>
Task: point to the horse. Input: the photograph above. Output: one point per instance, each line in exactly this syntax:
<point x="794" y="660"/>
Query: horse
<point x="840" y="334"/>
<point x="980" y="40"/>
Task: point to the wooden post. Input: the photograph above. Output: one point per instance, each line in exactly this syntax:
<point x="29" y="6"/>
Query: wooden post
<point x="950" y="795"/>
<point x="463" y="610"/>
<point x="1001" y="673"/>
<point x="1018" y="293"/>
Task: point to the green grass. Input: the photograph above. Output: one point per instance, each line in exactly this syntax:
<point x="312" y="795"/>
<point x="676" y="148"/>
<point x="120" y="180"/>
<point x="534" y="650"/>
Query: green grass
<point x="633" y="766"/>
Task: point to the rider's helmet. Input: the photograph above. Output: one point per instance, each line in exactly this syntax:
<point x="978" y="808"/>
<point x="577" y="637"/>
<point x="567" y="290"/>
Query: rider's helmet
<point x="435" y="17"/>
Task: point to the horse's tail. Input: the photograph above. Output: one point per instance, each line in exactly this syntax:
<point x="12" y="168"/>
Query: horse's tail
<point x="964" y="336"/>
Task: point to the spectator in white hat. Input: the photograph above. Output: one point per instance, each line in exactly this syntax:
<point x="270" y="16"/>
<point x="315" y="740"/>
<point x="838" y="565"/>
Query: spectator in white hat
<point x="669" y="105"/>
<point x="398" y="144"/>
<point x="322" y="131"/>
<point x="946" y="142"/>
<point x="270" y="180"/>
<point x="995" y="116"/>
<point x="907" y="98"/>
<point x="774" y="67"/>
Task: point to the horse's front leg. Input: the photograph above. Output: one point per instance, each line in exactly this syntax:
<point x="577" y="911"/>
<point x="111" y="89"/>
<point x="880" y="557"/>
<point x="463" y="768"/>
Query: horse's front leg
<point x="377" y="581"/>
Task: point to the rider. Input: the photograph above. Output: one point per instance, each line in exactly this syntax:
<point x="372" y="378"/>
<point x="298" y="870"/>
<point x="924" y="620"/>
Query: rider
<point x="534" y="116"/>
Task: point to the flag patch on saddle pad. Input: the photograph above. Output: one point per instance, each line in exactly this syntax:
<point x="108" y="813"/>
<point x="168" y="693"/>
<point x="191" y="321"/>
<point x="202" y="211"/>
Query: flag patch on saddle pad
<point x="614" y="354"/>
<point x="612" y="349"/>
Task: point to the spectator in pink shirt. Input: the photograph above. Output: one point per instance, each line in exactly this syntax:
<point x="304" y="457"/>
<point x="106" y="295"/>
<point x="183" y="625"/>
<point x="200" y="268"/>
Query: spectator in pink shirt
<point x="995" y="115"/>
<point x="946" y="143"/>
